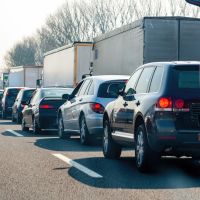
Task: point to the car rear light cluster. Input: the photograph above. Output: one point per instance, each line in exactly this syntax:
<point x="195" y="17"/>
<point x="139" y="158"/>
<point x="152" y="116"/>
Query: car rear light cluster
<point x="97" y="108"/>
<point x="167" y="104"/>
<point x="46" y="106"/>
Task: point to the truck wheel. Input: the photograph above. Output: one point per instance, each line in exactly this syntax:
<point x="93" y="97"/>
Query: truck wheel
<point x="24" y="128"/>
<point x="36" y="128"/>
<point x="84" y="133"/>
<point x="146" y="159"/>
<point x="110" y="149"/>
<point x="61" y="133"/>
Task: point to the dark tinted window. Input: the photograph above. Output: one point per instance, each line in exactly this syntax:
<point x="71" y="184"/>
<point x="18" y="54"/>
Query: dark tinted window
<point x="156" y="81"/>
<point x="27" y="95"/>
<point x="186" y="78"/>
<point x="130" y="86"/>
<point x="110" y="89"/>
<point x="13" y="92"/>
<point x="144" y="80"/>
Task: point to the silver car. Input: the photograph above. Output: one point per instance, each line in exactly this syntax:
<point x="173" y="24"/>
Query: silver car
<point x="83" y="111"/>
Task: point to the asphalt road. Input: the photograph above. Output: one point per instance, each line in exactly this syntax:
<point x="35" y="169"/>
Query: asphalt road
<point x="44" y="167"/>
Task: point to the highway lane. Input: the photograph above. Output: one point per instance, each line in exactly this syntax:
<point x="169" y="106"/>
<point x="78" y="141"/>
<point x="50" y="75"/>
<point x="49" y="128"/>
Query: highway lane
<point x="29" y="169"/>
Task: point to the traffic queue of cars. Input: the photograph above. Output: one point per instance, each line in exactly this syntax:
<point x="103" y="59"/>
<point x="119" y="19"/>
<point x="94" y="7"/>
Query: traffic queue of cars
<point x="156" y="111"/>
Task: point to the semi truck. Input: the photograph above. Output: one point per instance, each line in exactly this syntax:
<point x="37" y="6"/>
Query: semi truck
<point x="67" y="65"/>
<point x="150" y="39"/>
<point x="25" y="76"/>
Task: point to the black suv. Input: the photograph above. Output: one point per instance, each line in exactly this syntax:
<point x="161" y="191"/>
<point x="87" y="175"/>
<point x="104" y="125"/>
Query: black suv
<point x="8" y="100"/>
<point x="158" y="112"/>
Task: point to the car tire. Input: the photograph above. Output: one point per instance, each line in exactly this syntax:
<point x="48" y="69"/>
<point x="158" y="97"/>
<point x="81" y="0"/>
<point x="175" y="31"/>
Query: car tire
<point x="61" y="133"/>
<point x="24" y="128"/>
<point x="18" y="120"/>
<point x="146" y="159"/>
<point x="36" y="128"/>
<point x="84" y="133"/>
<point x="13" y="119"/>
<point x="111" y="149"/>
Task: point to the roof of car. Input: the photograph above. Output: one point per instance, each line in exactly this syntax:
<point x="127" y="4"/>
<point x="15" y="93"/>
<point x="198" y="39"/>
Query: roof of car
<point x="109" y="77"/>
<point x="172" y="63"/>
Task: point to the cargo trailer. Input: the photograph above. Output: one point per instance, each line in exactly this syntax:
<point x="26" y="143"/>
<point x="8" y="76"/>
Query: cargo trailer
<point x="24" y="76"/>
<point x="67" y="65"/>
<point x="150" y="39"/>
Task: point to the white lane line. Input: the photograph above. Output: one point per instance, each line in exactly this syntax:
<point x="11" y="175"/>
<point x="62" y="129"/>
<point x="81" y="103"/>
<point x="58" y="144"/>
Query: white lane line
<point x="15" y="133"/>
<point x="78" y="166"/>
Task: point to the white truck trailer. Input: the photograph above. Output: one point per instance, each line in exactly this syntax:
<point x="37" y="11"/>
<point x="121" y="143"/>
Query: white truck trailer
<point x="65" y="66"/>
<point x="24" y="76"/>
<point x="150" y="39"/>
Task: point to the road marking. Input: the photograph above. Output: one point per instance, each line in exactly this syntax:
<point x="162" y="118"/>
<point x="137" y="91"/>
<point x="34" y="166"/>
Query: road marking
<point x="15" y="133"/>
<point x="78" y="166"/>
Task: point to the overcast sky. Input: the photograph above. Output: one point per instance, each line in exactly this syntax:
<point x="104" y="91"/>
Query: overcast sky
<point x="20" y="18"/>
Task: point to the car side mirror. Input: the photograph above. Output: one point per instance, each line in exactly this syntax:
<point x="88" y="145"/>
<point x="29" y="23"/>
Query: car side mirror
<point x="65" y="97"/>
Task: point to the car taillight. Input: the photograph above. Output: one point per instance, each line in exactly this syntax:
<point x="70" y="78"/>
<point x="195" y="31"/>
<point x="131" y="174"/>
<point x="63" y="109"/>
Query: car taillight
<point x="167" y="104"/>
<point x="97" y="107"/>
<point x="164" y="103"/>
<point x="179" y="103"/>
<point x="46" y="106"/>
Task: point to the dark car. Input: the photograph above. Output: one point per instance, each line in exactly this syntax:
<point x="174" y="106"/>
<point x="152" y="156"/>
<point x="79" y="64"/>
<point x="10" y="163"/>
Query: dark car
<point x="22" y="98"/>
<point x="8" y="100"/>
<point x="158" y="111"/>
<point x="41" y="112"/>
<point x="1" y="96"/>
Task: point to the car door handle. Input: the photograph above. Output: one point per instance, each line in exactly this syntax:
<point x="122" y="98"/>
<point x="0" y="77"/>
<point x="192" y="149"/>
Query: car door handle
<point x="81" y="99"/>
<point x="125" y="104"/>
<point x="137" y="103"/>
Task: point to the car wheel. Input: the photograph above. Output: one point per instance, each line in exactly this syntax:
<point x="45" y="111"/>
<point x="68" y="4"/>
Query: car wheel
<point x="84" y="133"/>
<point x="110" y="149"/>
<point x="36" y="128"/>
<point x="13" y="118"/>
<point x="61" y="133"/>
<point x="146" y="159"/>
<point x="24" y="128"/>
<point x="18" y="120"/>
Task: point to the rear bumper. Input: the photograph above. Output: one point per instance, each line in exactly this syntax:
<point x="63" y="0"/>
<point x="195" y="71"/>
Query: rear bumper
<point x="48" y="122"/>
<point x="187" y="144"/>
<point x="95" y="123"/>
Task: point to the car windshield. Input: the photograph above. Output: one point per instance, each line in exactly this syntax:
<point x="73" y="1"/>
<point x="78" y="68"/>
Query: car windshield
<point x="186" y="78"/>
<point x="27" y="95"/>
<point x="12" y="93"/>
<point x="55" y="92"/>
<point x="110" y="89"/>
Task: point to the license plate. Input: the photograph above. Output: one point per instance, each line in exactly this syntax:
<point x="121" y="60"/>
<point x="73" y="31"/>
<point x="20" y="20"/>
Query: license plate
<point x="199" y="137"/>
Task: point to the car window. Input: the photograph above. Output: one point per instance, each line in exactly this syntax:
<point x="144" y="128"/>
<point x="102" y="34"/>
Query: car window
<point x="156" y="80"/>
<point x="35" y="97"/>
<point x="130" y="85"/>
<point x="19" y="95"/>
<point x="54" y="92"/>
<point x="27" y="95"/>
<point x="90" y="88"/>
<point x="84" y="87"/>
<point x="76" y="90"/>
<point x="185" y="79"/>
<point x="144" y="79"/>
<point x="110" y="89"/>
